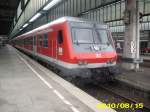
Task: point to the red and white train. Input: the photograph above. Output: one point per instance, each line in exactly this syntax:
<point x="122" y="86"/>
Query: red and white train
<point x="75" y="46"/>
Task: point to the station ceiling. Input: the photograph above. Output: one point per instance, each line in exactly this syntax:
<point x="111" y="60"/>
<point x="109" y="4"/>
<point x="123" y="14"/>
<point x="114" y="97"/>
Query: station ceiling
<point x="7" y="12"/>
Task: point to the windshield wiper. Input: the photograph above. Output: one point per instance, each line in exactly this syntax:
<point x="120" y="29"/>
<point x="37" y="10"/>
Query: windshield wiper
<point x="97" y="35"/>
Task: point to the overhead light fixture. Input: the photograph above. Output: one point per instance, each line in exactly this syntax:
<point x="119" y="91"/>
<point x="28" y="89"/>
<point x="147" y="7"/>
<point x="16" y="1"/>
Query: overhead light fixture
<point x="25" y="25"/>
<point x="51" y="4"/>
<point x="35" y="17"/>
<point x="20" y="29"/>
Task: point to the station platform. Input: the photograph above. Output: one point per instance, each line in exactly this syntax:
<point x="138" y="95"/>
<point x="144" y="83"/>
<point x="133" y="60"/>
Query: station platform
<point x="144" y="57"/>
<point x="139" y="79"/>
<point x="26" y="86"/>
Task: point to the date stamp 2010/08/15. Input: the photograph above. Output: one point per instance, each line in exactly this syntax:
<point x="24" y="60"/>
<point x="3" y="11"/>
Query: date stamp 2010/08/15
<point x="120" y="105"/>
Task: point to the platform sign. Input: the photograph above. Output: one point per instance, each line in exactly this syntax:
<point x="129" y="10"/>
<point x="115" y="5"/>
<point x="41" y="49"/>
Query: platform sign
<point x="133" y="47"/>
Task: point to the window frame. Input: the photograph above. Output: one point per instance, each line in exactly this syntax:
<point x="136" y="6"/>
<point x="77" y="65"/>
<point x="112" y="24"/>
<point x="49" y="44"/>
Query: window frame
<point x="45" y="40"/>
<point x="73" y="36"/>
<point x="93" y="34"/>
<point x="60" y="38"/>
<point x="40" y="40"/>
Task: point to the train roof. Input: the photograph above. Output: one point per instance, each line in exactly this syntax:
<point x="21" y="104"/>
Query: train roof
<point x="61" y="20"/>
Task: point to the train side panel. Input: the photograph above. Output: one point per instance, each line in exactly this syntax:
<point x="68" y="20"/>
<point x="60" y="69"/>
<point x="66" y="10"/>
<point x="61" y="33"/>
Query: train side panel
<point x="58" y="43"/>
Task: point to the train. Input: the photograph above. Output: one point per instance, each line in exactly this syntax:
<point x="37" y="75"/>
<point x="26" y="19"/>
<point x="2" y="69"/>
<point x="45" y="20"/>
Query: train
<point x="75" y="46"/>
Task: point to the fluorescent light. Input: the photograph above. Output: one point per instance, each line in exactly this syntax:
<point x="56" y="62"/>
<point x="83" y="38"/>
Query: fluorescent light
<point x="51" y="4"/>
<point x="25" y="25"/>
<point x="20" y="29"/>
<point x="35" y="17"/>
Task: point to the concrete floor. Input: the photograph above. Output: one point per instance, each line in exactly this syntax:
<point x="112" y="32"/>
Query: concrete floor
<point x="23" y="88"/>
<point x="139" y="79"/>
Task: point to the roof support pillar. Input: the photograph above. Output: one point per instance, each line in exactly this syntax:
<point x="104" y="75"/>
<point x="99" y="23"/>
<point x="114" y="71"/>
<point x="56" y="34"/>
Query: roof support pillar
<point x="131" y="39"/>
<point x="148" y="39"/>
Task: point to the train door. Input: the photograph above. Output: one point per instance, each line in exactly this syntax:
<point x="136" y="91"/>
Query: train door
<point x="40" y="43"/>
<point x="54" y="47"/>
<point x="34" y="44"/>
<point x="57" y="44"/>
<point x="60" y="43"/>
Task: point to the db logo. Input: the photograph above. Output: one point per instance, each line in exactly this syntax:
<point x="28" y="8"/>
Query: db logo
<point x="98" y="55"/>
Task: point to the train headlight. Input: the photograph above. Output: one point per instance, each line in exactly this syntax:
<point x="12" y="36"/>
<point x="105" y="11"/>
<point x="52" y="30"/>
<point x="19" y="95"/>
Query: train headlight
<point x="80" y="62"/>
<point x="85" y="62"/>
<point x="111" y="61"/>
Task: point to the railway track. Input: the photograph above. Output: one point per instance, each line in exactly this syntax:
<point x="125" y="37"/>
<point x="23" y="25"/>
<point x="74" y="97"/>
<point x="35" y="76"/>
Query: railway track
<point x="114" y="94"/>
<point x="131" y="95"/>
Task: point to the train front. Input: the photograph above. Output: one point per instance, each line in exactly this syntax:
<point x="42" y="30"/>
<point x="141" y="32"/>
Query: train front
<point x="93" y="48"/>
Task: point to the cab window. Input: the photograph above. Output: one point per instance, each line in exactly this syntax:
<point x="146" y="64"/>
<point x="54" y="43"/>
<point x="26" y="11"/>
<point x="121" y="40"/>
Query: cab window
<point x="60" y="37"/>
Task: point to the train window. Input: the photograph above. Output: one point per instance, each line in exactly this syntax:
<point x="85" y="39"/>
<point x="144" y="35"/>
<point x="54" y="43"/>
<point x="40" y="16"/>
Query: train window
<point x="40" y="40"/>
<point x="60" y="37"/>
<point x="45" y="41"/>
<point x="31" y="40"/>
<point x="25" y="41"/>
<point x="34" y="40"/>
<point x="102" y="36"/>
<point x="82" y="36"/>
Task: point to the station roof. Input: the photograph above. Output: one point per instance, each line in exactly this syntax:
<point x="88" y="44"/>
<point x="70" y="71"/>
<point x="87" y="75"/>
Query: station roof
<point x="7" y="12"/>
<point x="58" y="21"/>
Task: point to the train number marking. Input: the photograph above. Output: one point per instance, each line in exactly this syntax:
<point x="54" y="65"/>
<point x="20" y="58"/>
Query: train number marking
<point x="98" y="55"/>
<point x="60" y="51"/>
